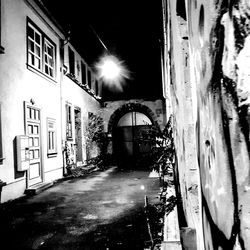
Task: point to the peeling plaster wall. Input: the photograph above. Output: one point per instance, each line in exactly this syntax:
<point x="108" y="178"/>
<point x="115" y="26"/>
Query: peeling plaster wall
<point x="219" y="52"/>
<point x="184" y="126"/>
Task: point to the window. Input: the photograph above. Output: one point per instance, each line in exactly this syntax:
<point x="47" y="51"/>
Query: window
<point x="83" y="68"/>
<point x="1" y="148"/>
<point x="34" y="47"/>
<point x="71" y="61"/>
<point x="68" y="122"/>
<point x="41" y="51"/>
<point x="89" y="78"/>
<point x="51" y="129"/>
<point x="181" y="8"/>
<point x="96" y="88"/>
<point x="49" y="58"/>
<point x="1" y="48"/>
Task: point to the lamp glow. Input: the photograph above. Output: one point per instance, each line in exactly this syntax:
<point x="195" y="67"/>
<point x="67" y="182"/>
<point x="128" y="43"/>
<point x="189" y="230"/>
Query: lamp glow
<point x="112" y="71"/>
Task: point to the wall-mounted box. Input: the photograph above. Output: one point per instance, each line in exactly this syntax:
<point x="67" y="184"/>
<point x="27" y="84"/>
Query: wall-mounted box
<point x="22" y="150"/>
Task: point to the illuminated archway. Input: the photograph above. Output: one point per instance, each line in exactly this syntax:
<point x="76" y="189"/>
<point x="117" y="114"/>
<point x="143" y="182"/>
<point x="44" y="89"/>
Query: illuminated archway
<point x="129" y="107"/>
<point x="127" y="125"/>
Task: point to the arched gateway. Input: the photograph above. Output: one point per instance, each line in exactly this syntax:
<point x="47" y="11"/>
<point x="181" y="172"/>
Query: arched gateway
<point x="127" y="126"/>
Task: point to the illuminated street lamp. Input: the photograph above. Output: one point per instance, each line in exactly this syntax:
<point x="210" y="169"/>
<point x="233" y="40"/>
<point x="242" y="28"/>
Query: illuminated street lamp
<point x="109" y="68"/>
<point x="111" y="71"/>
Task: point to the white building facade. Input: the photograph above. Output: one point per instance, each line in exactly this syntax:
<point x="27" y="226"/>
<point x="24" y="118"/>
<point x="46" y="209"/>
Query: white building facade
<point x="46" y="93"/>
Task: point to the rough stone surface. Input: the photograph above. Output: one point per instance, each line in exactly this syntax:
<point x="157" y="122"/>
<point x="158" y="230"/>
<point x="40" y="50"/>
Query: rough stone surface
<point x="218" y="54"/>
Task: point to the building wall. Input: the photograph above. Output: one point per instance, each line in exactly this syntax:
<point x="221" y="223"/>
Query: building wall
<point x="81" y="92"/>
<point x="21" y="84"/>
<point x="221" y="55"/>
<point x="156" y="107"/>
<point x="180" y="91"/>
<point x="113" y="110"/>
<point x="218" y="48"/>
<point x="77" y="97"/>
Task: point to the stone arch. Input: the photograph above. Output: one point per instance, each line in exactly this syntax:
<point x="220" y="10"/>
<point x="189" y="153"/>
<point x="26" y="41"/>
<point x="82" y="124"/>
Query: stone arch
<point x="129" y="107"/>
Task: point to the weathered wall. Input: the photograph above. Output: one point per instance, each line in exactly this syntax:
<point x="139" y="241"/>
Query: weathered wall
<point x="219" y="36"/>
<point x="183" y="120"/>
<point x="221" y="52"/>
<point x="112" y="111"/>
<point x="155" y="106"/>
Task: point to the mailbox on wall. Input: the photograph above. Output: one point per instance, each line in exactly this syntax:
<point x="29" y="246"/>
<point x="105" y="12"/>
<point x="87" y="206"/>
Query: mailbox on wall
<point x="22" y="149"/>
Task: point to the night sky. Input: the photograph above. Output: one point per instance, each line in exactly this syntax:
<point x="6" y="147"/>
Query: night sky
<point x="130" y="29"/>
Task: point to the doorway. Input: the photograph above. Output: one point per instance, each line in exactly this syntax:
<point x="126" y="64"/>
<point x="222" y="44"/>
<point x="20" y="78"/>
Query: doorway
<point x="129" y="144"/>
<point x="78" y="135"/>
<point x="33" y="130"/>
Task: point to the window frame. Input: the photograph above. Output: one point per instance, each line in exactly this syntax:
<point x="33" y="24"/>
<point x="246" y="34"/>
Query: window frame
<point x="71" y="62"/>
<point x="83" y="73"/>
<point x="51" y="151"/>
<point x="69" y="123"/>
<point x="53" y="70"/>
<point x="35" y="44"/>
<point x="45" y="40"/>
<point x="1" y="47"/>
<point x="89" y="78"/>
<point x="96" y="87"/>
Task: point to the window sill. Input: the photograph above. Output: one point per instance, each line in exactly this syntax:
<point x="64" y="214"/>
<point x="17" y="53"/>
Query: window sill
<point x="83" y="86"/>
<point x="75" y="80"/>
<point x="36" y="71"/>
<point x="1" y="50"/>
<point x="50" y="155"/>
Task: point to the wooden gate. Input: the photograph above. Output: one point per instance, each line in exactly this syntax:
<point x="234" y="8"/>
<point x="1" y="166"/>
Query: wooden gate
<point x="129" y="144"/>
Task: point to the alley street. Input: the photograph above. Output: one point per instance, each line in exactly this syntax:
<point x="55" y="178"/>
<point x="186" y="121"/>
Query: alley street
<point x="104" y="210"/>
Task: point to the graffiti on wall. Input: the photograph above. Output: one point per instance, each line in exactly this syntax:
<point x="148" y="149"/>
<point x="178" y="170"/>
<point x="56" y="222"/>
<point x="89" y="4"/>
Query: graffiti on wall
<point x="223" y="130"/>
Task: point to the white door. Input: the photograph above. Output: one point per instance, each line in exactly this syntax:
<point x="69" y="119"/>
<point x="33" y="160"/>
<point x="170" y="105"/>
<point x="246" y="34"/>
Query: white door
<point x="33" y="130"/>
